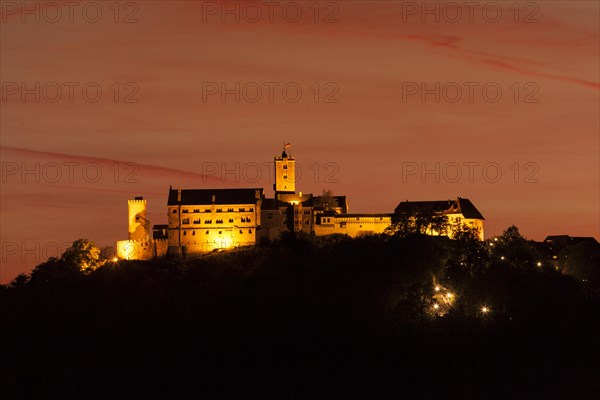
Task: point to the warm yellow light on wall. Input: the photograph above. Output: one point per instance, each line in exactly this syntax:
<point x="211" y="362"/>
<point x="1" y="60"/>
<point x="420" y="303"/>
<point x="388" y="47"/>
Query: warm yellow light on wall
<point x="226" y="242"/>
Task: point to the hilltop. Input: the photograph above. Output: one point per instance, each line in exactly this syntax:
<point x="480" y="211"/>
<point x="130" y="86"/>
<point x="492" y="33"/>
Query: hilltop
<point x="305" y="317"/>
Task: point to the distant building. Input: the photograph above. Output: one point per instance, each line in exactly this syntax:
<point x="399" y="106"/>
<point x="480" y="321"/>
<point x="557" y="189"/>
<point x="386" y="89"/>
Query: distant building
<point x="553" y="245"/>
<point x="458" y="212"/>
<point x="200" y="221"/>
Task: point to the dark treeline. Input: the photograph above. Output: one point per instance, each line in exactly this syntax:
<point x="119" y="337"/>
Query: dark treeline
<point x="408" y="316"/>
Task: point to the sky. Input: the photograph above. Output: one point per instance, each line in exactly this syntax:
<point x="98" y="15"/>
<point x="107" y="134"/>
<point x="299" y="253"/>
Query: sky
<point x="382" y="101"/>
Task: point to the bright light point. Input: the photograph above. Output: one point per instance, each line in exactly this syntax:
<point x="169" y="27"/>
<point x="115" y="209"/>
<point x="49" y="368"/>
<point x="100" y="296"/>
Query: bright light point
<point x="437" y="288"/>
<point x="495" y="239"/>
<point x="436" y="306"/>
<point x="485" y="310"/>
<point x="502" y="258"/>
<point x="449" y="295"/>
<point x="539" y="264"/>
<point x="226" y="242"/>
<point x="115" y="259"/>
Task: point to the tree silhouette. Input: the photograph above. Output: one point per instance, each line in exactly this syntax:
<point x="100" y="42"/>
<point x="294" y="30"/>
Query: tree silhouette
<point x="404" y="224"/>
<point x="83" y="253"/>
<point x="512" y="248"/>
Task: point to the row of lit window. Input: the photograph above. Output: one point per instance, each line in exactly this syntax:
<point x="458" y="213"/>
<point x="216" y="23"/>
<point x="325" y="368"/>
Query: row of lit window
<point x="208" y="232"/>
<point x="186" y="221"/>
<point x="207" y="210"/>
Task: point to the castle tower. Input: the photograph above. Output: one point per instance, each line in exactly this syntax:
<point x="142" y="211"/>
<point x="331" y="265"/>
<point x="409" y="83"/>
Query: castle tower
<point x="139" y="226"/>
<point x="285" y="173"/>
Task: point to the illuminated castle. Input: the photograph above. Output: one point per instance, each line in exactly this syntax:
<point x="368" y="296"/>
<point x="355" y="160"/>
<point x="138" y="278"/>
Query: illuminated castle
<point x="201" y="221"/>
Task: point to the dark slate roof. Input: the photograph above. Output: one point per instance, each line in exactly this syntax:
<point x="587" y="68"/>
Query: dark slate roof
<point x="423" y="207"/>
<point x="439" y="207"/>
<point x="269" y="204"/>
<point x="222" y="196"/>
<point x="468" y="209"/>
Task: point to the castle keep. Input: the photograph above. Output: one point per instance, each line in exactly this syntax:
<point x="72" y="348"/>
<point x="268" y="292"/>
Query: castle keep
<point x="201" y="221"/>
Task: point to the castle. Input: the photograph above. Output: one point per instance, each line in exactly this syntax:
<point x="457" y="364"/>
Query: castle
<point x="201" y="221"/>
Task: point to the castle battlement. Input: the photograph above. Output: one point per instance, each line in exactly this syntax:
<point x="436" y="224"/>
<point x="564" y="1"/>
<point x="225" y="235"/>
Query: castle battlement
<point x="134" y="201"/>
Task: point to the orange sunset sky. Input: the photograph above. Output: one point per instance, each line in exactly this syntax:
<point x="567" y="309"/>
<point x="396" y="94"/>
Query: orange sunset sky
<point x="362" y="127"/>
